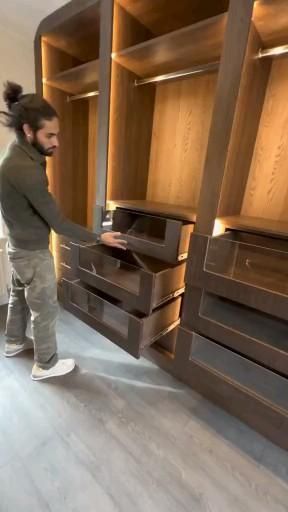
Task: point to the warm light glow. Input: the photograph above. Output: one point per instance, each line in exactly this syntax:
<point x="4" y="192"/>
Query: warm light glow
<point x="219" y="228"/>
<point x="273" y="52"/>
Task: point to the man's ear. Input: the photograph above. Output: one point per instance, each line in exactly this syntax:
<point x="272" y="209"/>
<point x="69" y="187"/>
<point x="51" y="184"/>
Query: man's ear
<point x="27" y="132"/>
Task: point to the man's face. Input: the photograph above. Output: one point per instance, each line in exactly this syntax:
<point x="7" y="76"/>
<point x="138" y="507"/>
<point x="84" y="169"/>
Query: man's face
<point x="45" y="140"/>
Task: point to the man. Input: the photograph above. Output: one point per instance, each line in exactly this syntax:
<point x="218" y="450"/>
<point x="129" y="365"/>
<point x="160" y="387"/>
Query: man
<point x="30" y="212"/>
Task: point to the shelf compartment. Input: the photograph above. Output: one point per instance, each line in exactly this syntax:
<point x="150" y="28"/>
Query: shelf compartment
<point x="162" y="238"/>
<point x="254" y="334"/>
<point x="271" y="20"/>
<point x="194" y="45"/>
<point x="245" y="389"/>
<point x="245" y="268"/>
<point x="138" y="281"/>
<point x="78" y="80"/>
<point x="129" y="330"/>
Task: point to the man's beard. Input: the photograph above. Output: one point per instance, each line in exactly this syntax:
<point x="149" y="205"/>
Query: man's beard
<point x="45" y="152"/>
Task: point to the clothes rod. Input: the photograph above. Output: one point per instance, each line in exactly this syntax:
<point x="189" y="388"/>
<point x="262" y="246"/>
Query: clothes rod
<point x="273" y="52"/>
<point x="186" y="73"/>
<point x="81" y="96"/>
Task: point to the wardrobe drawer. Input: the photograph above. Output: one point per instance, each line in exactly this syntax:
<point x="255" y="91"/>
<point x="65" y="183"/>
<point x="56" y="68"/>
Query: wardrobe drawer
<point x="162" y="238"/>
<point x="126" y="328"/>
<point x="139" y="281"/>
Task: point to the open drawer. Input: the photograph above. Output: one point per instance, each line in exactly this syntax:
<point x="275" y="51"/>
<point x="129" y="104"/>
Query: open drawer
<point x="243" y="267"/>
<point x="139" y="281"/>
<point x="162" y="238"/>
<point x="126" y="328"/>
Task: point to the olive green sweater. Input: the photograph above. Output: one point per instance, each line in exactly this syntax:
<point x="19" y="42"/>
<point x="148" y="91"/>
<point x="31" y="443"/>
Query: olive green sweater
<point x="28" y="208"/>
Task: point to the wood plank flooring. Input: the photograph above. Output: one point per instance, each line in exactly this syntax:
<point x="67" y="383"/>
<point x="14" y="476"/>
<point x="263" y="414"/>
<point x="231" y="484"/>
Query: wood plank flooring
<point x="120" y="435"/>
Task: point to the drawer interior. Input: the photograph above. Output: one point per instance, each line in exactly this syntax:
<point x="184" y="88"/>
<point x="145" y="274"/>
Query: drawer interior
<point x="264" y="383"/>
<point x="142" y="226"/>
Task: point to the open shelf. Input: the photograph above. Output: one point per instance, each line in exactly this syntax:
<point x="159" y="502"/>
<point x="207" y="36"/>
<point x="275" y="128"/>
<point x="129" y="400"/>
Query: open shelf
<point x="271" y="20"/>
<point x="153" y="207"/>
<point x="197" y="44"/>
<point x="274" y="228"/>
<point x="77" y="80"/>
<point x="79" y="34"/>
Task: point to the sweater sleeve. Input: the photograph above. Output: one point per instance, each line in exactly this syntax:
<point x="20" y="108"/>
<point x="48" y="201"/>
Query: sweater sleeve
<point x="34" y="185"/>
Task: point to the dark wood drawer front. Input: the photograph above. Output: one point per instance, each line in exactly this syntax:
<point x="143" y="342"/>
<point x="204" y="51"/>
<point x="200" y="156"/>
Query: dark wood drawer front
<point x="246" y="390"/>
<point x="256" y="379"/>
<point x="253" y="333"/>
<point x="138" y="281"/>
<point x="127" y="329"/>
<point x="159" y="237"/>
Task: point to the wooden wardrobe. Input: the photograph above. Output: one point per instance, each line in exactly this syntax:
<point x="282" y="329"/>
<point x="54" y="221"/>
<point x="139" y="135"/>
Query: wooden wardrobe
<point x="173" y="131"/>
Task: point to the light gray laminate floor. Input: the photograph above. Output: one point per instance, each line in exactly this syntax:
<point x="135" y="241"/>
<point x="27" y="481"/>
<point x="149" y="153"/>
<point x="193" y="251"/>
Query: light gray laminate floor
<point x="120" y="435"/>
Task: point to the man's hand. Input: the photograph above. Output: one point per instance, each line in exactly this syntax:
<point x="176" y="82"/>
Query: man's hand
<point x="112" y="239"/>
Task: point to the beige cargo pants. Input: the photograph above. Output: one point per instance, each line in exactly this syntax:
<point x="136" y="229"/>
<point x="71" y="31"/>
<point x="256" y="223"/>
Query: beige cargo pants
<point x="33" y="293"/>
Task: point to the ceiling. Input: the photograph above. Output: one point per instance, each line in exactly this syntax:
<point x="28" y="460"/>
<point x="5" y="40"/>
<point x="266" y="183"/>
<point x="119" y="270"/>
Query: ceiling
<point x="24" y="16"/>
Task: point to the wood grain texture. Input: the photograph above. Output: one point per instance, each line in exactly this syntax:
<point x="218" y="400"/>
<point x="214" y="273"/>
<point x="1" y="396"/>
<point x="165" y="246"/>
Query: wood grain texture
<point x="169" y="449"/>
<point x="182" y="117"/>
<point x="274" y="228"/>
<point x="92" y="159"/>
<point x="245" y="127"/>
<point x="267" y="188"/>
<point x="131" y="118"/>
<point x="162" y="16"/>
<point x="190" y="46"/>
<point x="171" y="211"/>
<point x="271" y="19"/>
<point x="76" y="80"/>
<point x="127" y="31"/>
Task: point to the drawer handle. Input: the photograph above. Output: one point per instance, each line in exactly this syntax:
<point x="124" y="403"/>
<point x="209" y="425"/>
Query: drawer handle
<point x="165" y="331"/>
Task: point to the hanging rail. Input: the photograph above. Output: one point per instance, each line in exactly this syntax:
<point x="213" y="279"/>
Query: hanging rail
<point x="273" y="52"/>
<point x="186" y="73"/>
<point x="82" y="96"/>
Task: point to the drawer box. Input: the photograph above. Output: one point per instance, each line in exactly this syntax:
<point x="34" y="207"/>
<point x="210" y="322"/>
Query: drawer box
<point x="159" y="237"/>
<point x="246" y="268"/>
<point x="245" y="389"/>
<point x="254" y="334"/>
<point x="129" y="330"/>
<point x="138" y="281"/>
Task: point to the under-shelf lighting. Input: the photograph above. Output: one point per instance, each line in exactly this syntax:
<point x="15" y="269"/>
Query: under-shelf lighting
<point x="273" y="52"/>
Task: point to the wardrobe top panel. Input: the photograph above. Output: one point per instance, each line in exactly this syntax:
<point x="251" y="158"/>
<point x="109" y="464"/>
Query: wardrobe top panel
<point x="162" y="16"/>
<point x="271" y="20"/>
<point x="153" y="207"/>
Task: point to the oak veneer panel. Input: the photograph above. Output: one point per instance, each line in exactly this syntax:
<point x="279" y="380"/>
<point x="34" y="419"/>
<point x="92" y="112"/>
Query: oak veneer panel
<point x="245" y="127"/>
<point x="161" y="209"/>
<point x="189" y="46"/>
<point x="162" y="16"/>
<point x="80" y="79"/>
<point x="271" y="19"/>
<point x="131" y="118"/>
<point x="55" y="61"/>
<point x="182" y="117"/>
<point x="127" y="30"/>
<point x="257" y="225"/>
<point x="92" y="158"/>
<point x="266" y="193"/>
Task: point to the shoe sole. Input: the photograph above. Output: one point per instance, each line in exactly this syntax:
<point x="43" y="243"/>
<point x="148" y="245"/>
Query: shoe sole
<point x="18" y="352"/>
<point x="53" y="375"/>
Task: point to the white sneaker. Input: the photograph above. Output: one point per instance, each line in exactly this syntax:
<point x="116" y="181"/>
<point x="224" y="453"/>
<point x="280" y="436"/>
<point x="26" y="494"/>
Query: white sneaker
<point x="13" y="349"/>
<point x="62" y="367"/>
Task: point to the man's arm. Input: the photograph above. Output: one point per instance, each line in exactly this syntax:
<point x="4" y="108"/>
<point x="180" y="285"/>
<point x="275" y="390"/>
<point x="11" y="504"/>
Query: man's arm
<point x="33" y="184"/>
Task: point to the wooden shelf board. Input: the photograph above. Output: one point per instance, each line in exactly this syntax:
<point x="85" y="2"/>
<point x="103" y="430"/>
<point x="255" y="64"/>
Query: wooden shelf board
<point x="271" y="20"/>
<point x="274" y="228"/>
<point x="160" y="20"/>
<point x="190" y="46"/>
<point x="155" y="208"/>
<point x="77" y="80"/>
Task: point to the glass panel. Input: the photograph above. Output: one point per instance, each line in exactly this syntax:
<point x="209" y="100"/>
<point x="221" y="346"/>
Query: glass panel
<point x="249" y="375"/>
<point x="263" y="266"/>
<point x="140" y="226"/>
<point x="105" y="312"/>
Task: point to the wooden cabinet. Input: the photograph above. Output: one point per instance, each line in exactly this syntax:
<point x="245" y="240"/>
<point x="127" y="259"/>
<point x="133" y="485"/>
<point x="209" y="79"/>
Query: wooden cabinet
<point x="174" y="129"/>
